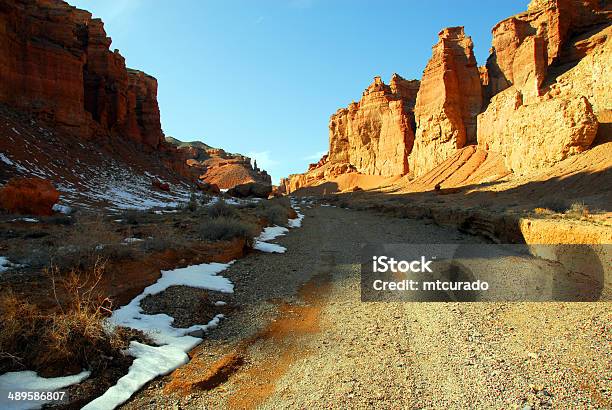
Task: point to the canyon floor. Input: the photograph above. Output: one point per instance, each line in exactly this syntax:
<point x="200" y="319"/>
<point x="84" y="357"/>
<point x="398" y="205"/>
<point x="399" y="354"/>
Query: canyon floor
<point x="298" y="336"/>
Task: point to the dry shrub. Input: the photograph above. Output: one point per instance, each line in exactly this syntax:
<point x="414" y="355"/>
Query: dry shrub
<point x="221" y="209"/>
<point x="68" y="340"/>
<point x="578" y="210"/>
<point x="92" y="239"/>
<point x="225" y="229"/>
<point x="163" y="238"/>
<point x="275" y="211"/>
<point x="135" y="216"/>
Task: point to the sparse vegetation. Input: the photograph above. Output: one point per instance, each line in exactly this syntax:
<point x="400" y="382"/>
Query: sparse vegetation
<point x="225" y="229"/>
<point x="555" y="205"/>
<point x="134" y="216"/>
<point x="274" y="211"/>
<point x="71" y="338"/>
<point x="220" y="209"/>
<point x="578" y="210"/>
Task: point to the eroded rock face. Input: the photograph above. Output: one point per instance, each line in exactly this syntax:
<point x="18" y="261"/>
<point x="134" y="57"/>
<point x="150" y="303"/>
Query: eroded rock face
<point x="533" y="131"/>
<point x="55" y="62"/>
<point x="448" y="101"/>
<point x="526" y="44"/>
<point x="375" y="135"/>
<point x="537" y="135"/>
<point x="216" y="166"/>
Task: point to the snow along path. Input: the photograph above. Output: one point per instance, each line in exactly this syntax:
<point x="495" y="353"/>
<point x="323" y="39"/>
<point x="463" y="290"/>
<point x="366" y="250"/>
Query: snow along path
<point x="173" y="343"/>
<point x="272" y="232"/>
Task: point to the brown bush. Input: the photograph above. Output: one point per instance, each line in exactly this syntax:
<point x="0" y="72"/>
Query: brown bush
<point x="68" y="340"/>
<point x="275" y="211"/>
<point x="225" y="229"/>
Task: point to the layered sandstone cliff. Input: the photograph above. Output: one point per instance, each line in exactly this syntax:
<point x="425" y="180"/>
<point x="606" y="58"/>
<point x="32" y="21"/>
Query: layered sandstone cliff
<point x="543" y="96"/>
<point x="55" y="62"/>
<point x="448" y="101"/>
<point x="554" y="84"/>
<point x="375" y="135"/>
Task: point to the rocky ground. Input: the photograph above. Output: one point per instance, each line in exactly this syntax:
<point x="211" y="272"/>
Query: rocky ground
<point x="298" y="336"/>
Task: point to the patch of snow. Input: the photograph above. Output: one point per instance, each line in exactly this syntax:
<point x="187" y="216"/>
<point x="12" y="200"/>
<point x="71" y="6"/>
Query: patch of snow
<point x="4" y="264"/>
<point x="220" y="303"/>
<point x="132" y="240"/>
<point x="174" y="343"/>
<point x="30" y="381"/>
<point x="5" y="159"/>
<point x="29" y="220"/>
<point x="268" y="234"/>
<point x="64" y="209"/>
<point x="269" y="247"/>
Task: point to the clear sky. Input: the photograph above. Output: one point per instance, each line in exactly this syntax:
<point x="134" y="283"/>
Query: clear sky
<point x="262" y="77"/>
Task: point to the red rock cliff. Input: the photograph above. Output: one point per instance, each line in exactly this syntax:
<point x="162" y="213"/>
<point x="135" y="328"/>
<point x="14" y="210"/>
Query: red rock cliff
<point x="375" y="135"/>
<point x="448" y="101"/>
<point x="55" y="62"/>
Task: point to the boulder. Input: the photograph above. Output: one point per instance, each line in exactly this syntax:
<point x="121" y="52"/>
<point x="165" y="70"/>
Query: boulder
<point x="29" y="196"/>
<point x="208" y="188"/>
<point x="162" y="186"/>
<point x="448" y="101"/>
<point x="252" y="189"/>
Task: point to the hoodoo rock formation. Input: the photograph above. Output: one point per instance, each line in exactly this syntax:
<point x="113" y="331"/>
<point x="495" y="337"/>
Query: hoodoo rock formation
<point x="448" y="101"/>
<point x="375" y="135"/>
<point x="543" y="95"/>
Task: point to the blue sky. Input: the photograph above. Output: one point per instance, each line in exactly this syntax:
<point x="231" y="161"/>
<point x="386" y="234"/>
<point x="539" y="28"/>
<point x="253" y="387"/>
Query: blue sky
<point x="262" y="77"/>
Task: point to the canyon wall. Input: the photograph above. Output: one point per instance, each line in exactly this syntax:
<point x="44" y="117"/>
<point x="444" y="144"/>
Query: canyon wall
<point x="375" y="135"/>
<point x="543" y="95"/>
<point x="549" y="80"/>
<point x="216" y="166"/>
<point x="55" y="62"/>
<point x="448" y="101"/>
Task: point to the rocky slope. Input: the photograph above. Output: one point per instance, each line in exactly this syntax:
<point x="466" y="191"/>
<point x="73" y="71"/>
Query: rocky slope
<point x="542" y="96"/>
<point x="60" y="81"/>
<point x="218" y="167"/>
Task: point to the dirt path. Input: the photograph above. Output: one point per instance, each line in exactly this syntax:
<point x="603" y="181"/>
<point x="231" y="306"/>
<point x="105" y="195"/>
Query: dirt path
<point x="302" y="338"/>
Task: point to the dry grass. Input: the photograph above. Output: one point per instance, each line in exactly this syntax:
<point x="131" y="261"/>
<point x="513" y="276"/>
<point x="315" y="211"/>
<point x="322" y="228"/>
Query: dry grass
<point x="578" y="210"/>
<point x="221" y="209"/>
<point x="67" y="340"/>
<point x="274" y="211"/>
<point x="225" y="229"/>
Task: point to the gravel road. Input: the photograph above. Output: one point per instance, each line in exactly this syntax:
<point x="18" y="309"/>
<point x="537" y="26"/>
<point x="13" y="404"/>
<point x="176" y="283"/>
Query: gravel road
<point x="298" y="336"/>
